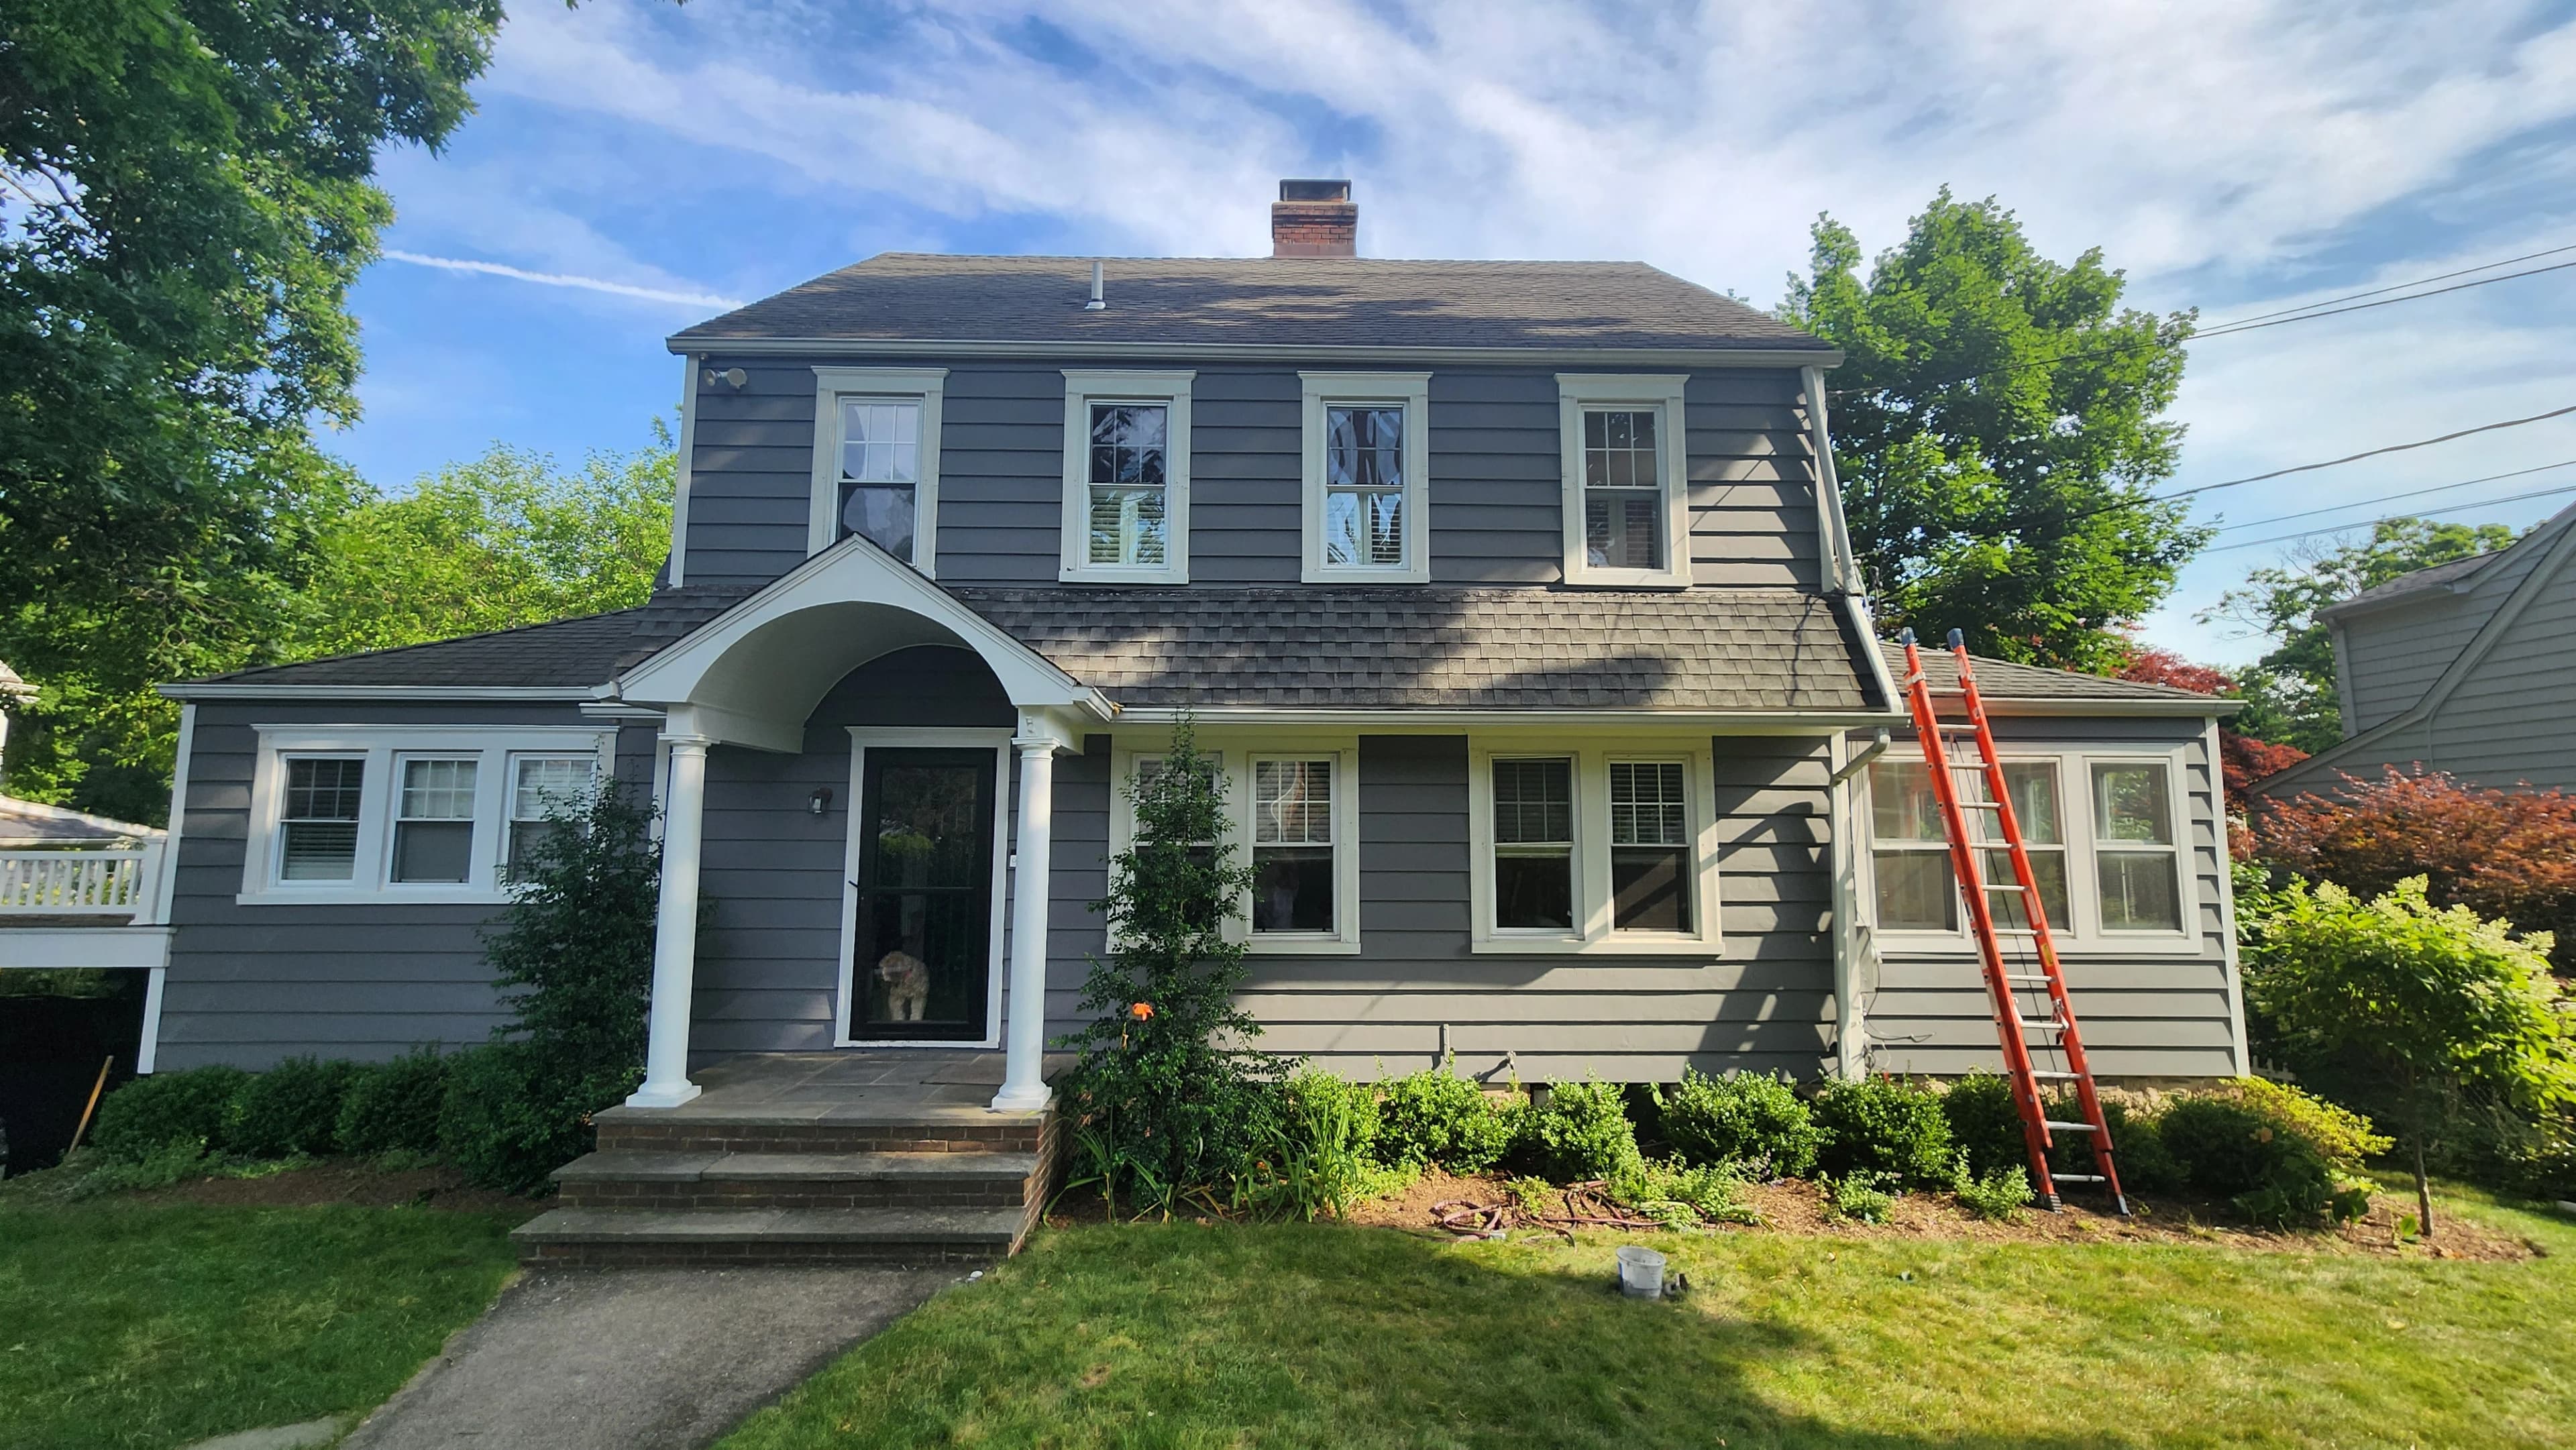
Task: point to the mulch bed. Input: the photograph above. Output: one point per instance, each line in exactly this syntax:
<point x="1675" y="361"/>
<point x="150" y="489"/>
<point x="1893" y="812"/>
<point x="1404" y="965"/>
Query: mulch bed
<point x="1799" y="1208"/>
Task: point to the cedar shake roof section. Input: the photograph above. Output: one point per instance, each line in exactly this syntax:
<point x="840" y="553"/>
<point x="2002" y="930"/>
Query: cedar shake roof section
<point x="1412" y="648"/>
<point x="2004" y="680"/>
<point x="1272" y="302"/>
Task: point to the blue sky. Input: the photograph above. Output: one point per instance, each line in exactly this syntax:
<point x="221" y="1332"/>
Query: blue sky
<point x="634" y="167"/>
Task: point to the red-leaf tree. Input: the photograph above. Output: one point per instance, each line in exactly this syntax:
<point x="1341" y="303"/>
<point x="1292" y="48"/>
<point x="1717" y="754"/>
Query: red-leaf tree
<point x="2242" y="759"/>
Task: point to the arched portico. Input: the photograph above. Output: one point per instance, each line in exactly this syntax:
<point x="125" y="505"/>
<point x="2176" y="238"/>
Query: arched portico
<point x="751" y="677"/>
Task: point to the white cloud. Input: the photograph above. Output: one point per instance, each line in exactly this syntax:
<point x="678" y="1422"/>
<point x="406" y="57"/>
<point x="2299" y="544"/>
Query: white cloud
<point x="560" y="279"/>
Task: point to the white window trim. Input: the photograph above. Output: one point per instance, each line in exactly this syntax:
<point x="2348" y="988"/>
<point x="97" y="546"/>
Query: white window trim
<point x="1412" y="391"/>
<point x="1593" y="934"/>
<point x="1082" y="388"/>
<point x="1234" y="763"/>
<point x="926" y="386"/>
<point x="1659" y="391"/>
<point x="381" y="747"/>
<point x="1005" y="863"/>
<point x="2084" y="935"/>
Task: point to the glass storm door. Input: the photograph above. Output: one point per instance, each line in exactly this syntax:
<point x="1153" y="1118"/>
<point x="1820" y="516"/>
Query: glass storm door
<point x="924" y="940"/>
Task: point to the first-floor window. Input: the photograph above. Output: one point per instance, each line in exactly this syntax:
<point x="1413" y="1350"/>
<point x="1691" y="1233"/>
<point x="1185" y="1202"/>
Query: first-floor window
<point x="1292" y="845"/>
<point x="1909" y="850"/>
<point x="434" y="821"/>
<point x="318" y="821"/>
<point x="1650" y="846"/>
<point x="1534" y="844"/>
<point x="1200" y="914"/>
<point x="2033" y="784"/>
<point x="542" y="789"/>
<point x="2135" y="859"/>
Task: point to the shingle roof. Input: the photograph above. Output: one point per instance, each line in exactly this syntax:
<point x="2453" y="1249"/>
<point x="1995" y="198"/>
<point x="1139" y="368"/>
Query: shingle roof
<point x="1277" y="302"/>
<point x="570" y="653"/>
<point x="2004" y="680"/>
<point x="1439" y="648"/>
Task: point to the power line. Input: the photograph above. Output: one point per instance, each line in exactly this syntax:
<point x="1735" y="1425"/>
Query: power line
<point x="2391" y="497"/>
<point x="2366" y="453"/>
<point x="2392" y="518"/>
<point x="2305" y="313"/>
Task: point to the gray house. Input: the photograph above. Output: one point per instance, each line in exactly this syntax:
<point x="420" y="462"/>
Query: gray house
<point x="1514" y="597"/>
<point x="2467" y="667"/>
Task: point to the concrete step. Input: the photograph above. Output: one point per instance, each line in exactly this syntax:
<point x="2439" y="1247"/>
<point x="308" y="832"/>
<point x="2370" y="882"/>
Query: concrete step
<point x="806" y="1128"/>
<point x="617" y="1237"/>
<point x="638" y="1178"/>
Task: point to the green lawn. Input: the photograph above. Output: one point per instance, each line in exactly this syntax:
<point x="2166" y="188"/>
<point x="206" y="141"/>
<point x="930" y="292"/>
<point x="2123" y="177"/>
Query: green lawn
<point x="1321" y="1336"/>
<point x="153" y="1325"/>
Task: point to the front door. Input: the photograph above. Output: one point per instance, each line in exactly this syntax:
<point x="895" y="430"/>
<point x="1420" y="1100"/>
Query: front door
<point x="923" y="968"/>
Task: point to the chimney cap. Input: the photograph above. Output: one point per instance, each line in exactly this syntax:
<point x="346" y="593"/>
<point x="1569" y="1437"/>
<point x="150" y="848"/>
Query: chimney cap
<point x="1313" y="189"/>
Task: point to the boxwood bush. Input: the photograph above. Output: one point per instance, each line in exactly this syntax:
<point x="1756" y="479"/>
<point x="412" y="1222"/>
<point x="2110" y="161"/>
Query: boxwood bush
<point x="292" y="1108"/>
<point x="149" y="1114"/>
<point x="1882" y="1126"/>
<point x="393" y="1107"/>
<point x="1437" y="1118"/>
<point x="2264" y="1164"/>
<point x="1583" y="1132"/>
<point x="1754" y="1119"/>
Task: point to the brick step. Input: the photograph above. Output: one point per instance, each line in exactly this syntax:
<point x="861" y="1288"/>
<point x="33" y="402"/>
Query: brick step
<point x="838" y="1130"/>
<point x="635" y="1178"/>
<point x="621" y="1237"/>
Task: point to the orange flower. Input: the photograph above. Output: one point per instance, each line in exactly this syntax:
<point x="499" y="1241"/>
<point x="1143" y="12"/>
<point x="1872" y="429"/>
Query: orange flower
<point x="1142" y="1011"/>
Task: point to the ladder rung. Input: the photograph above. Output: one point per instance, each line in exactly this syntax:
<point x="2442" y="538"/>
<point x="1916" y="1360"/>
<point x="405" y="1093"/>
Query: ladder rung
<point x="2054" y="1075"/>
<point x="2004" y="886"/>
<point x="1968" y="725"/>
<point x="2055" y="1126"/>
<point x="2029" y="1025"/>
<point x="2023" y="977"/>
<point x="1980" y="806"/>
<point x="2077" y="1177"/>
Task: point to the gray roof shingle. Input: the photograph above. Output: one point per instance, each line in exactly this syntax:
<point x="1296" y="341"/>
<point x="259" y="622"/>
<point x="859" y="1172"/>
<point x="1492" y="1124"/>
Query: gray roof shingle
<point x="1276" y="302"/>
<point x="2004" y="680"/>
<point x="568" y="653"/>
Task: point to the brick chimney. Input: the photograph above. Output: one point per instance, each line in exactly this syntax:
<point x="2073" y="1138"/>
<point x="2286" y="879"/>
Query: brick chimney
<point x="1314" y="219"/>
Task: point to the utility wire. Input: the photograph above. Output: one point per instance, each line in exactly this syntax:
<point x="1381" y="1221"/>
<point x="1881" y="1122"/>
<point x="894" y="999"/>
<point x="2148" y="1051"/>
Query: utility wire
<point x="2233" y="328"/>
<point x="2366" y="453"/>
<point x="2397" y="287"/>
<point x="2392" y="518"/>
<point x="2391" y="497"/>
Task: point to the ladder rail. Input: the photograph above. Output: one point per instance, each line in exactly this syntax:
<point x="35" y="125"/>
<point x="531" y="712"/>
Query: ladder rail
<point x="1967" y="859"/>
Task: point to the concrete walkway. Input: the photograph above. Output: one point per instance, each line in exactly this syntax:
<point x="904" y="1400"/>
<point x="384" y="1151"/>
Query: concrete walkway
<point x="637" y="1359"/>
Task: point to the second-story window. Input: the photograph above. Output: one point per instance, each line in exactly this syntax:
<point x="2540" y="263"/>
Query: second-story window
<point x="1626" y="480"/>
<point x="876" y="460"/>
<point x="1365" y="463"/>
<point x="1126" y="477"/>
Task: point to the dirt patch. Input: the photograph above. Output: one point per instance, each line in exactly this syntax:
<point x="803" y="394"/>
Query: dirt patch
<point x="344" y="1181"/>
<point x="1799" y="1208"/>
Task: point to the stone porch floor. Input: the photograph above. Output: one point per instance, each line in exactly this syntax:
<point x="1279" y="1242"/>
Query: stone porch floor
<point x="853" y="1085"/>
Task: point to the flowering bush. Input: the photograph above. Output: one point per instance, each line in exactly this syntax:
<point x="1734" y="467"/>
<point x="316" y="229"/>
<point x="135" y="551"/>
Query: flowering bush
<point x="2503" y="854"/>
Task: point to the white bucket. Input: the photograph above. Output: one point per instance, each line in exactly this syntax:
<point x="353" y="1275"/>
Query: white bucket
<point x="1641" y="1272"/>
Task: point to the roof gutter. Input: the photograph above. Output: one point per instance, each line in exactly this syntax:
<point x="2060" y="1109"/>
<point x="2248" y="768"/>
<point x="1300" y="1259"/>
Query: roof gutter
<point x="1031" y="349"/>
<point x="1739" y="722"/>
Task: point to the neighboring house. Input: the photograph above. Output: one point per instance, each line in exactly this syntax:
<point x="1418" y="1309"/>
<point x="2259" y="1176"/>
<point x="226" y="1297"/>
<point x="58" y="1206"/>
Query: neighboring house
<point x="1513" y="597"/>
<point x="83" y="891"/>
<point x="2467" y="667"/>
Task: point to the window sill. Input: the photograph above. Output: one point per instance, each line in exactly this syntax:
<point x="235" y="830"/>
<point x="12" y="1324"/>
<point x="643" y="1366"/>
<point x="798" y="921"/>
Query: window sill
<point x="1942" y="944"/>
<point x="1337" y="574"/>
<point x="1625" y="579"/>
<point x="1619" y="946"/>
<point x="373" y="896"/>
<point x="1268" y="945"/>
<point x="1103" y="574"/>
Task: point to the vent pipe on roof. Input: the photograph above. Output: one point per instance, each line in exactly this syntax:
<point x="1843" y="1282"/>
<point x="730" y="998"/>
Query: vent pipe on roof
<point x="1097" y="302"/>
<point x="1314" y="219"/>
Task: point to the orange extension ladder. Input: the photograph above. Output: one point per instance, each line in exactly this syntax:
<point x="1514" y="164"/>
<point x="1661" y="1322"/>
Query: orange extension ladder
<point x="2015" y="994"/>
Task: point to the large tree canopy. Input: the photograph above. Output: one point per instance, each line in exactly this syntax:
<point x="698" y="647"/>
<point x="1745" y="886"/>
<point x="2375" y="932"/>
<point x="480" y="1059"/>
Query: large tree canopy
<point x="1998" y="425"/>
<point x="2292" y="688"/>
<point x="184" y="200"/>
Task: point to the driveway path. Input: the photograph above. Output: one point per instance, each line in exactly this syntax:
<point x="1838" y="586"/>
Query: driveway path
<point x="637" y="1359"/>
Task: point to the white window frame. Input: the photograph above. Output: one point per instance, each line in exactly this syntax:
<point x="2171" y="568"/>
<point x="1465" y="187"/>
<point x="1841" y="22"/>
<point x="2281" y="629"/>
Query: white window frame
<point x="1660" y="393"/>
<point x="1593" y="933"/>
<point x="1005" y="863"/>
<point x="925" y="386"/>
<point x="509" y="793"/>
<point x="1235" y="760"/>
<point x="1409" y="391"/>
<point x="394" y="818"/>
<point x="1082" y="388"/>
<point x="382" y="747"/>
<point x="2084" y="935"/>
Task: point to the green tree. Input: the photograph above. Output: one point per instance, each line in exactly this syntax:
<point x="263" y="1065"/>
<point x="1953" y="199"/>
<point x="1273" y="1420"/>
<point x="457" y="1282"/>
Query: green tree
<point x="185" y="196"/>
<point x="2291" y="689"/>
<point x="2411" y="1010"/>
<point x="504" y="540"/>
<point x="1998" y="427"/>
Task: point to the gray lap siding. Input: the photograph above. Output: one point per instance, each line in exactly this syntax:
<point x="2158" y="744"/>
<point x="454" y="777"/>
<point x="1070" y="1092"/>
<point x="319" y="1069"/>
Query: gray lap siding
<point x="1495" y="475"/>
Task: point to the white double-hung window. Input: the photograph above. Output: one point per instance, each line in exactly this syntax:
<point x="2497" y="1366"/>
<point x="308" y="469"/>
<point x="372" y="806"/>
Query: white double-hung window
<point x="2121" y="812"/>
<point x="354" y="813"/>
<point x="1292" y="818"/>
<point x="1626" y="489"/>
<point x="1126" y="476"/>
<point x="1367" y="460"/>
<point x="1607" y="848"/>
<point x="876" y="460"/>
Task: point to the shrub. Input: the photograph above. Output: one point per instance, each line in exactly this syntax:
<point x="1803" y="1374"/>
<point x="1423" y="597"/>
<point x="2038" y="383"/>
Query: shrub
<point x="2340" y="1135"/>
<point x="1437" y="1117"/>
<point x="1583" y="1132"/>
<point x="148" y="1114"/>
<point x="158" y="1167"/>
<point x="1984" y="1124"/>
<point x="2508" y="854"/>
<point x="1319" y="1160"/>
<point x="1998" y="1196"/>
<point x="1862" y="1196"/>
<point x="1751" y="1118"/>
<point x="1678" y="1195"/>
<point x="513" y="1113"/>
<point x="2137" y="1150"/>
<point x="2269" y="1170"/>
<point x="293" y="1108"/>
<point x="1880" y="1125"/>
<point x="393" y="1107"/>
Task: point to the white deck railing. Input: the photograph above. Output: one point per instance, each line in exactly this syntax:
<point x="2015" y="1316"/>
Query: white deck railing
<point x="118" y="882"/>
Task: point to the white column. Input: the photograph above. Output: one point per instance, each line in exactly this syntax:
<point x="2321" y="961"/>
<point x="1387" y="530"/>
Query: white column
<point x="1023" y="1087"/>
<point x="675" y="931"/>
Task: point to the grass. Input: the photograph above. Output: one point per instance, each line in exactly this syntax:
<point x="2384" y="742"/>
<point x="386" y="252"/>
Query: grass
<point x="135" y="1324"/>
<point x="1295" y="1335"/>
